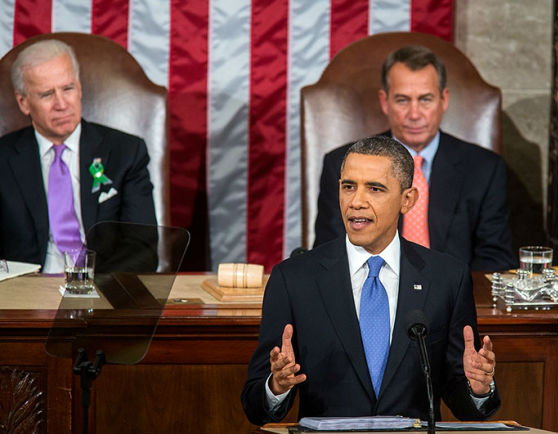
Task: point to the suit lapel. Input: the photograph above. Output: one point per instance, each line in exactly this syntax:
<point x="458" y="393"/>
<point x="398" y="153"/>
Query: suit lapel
<point x="26" y="167"/>
<point x="414" y="286"/>
<point x="90" y="147"/>
<point x="335" y="288"/>
<point x="446" y="182"/>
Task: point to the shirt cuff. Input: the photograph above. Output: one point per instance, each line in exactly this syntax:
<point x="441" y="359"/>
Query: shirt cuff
<point x="479" y="401"/>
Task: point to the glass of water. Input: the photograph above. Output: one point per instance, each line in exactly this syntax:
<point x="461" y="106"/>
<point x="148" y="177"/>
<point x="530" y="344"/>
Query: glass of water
<point x="79" y="271"/>
<point x="535" y="259"/>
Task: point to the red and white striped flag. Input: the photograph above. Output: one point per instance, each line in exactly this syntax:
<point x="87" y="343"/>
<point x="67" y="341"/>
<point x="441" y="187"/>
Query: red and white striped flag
<point x="234" y="69"/>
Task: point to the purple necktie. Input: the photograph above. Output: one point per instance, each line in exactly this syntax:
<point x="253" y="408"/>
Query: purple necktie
<point x="61" y="213"/>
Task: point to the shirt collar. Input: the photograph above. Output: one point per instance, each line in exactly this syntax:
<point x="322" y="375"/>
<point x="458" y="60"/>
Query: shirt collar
<point x="358" y="255"/>
<point x="72" y="142"/>
<point x="427" y="153"/>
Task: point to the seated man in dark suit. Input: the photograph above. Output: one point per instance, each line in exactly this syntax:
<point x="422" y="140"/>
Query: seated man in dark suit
<point x="350" y="355"/>
<point x="62" y="175"/>
<point x="463" y="206"/>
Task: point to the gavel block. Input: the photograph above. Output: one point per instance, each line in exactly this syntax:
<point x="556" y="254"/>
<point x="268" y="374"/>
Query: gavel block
<point x="237" y="282"/>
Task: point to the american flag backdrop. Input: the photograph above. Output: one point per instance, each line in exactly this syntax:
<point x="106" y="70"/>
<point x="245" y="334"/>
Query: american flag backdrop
<point x="234" y="69"/>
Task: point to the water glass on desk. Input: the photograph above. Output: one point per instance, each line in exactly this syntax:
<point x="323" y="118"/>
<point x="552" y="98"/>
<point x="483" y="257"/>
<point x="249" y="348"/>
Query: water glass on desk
<point x="535" y="259"/>
<point x="4" y="266"/>
<point x="79" y="271"/>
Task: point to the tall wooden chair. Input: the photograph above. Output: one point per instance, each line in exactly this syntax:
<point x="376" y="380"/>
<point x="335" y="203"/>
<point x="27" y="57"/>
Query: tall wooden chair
<point x="116" y="93"/>
<point x="343" y="106"/>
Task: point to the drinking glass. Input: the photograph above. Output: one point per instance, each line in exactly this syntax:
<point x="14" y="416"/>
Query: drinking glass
<point x="79" y="271"/>
<point x="535" y="259"/>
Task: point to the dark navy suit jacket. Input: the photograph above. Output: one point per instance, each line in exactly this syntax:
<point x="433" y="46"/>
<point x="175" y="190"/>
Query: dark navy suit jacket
<point x="24" y="225"/>
<point x="313" y="292"/>
<point x="467" y="210"/>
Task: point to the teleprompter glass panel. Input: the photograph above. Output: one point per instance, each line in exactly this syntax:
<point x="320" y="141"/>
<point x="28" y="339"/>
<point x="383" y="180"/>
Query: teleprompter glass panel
<point x="135" y="269"/>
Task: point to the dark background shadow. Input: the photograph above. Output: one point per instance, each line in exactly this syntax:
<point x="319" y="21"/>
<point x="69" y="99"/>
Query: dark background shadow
<point x="525" y="189"/>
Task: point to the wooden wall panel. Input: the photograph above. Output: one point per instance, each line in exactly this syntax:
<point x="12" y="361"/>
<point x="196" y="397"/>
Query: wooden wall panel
<point x="170" y="398"/>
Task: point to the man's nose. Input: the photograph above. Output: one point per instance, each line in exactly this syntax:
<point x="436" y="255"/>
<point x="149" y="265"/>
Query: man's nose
<point x="60" y="102"/>
<point x="414" y="110"/>
<point x="359" y="199"/>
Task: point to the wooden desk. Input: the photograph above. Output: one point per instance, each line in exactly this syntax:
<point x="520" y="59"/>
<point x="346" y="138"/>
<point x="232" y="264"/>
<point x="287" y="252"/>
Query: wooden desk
<point x="192" y="376"/>
<point x="526" y="346"/>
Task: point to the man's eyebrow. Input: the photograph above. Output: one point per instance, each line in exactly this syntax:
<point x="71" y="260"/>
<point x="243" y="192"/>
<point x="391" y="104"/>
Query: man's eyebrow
<point x="368" y="184"/>
<point x="376" y="185"/>
<point x="428" y="94"/>
<point x="402" y="95"/>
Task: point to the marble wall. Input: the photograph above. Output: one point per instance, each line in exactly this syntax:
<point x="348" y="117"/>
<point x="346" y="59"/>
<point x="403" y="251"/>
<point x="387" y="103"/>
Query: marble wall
<point x="510" y="42"/>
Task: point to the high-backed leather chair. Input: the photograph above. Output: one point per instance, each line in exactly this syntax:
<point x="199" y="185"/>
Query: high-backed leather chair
<point x="116" y="93"/>
<point x="343" y="106"/>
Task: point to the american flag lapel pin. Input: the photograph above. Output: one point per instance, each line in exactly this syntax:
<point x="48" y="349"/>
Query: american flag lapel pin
<point x="417" y="287"/>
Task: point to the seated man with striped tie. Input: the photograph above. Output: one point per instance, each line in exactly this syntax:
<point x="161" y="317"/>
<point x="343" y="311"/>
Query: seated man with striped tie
<point x="462" y="208"/>
<point x="62" y="175"/>
<point x="334" y="319"/>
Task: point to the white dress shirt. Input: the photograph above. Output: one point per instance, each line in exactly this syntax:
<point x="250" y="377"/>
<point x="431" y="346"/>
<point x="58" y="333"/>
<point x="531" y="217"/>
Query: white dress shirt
<point x="54" y="261"/>
<point x="389" y="274"/>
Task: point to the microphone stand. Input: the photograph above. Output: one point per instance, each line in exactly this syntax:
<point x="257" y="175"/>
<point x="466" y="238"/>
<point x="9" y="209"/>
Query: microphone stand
<point x="420" y="334"/>
<point x="87" y="371"/>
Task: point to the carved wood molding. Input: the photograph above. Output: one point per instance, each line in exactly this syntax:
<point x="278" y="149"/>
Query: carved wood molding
<point x="21" y="402"/>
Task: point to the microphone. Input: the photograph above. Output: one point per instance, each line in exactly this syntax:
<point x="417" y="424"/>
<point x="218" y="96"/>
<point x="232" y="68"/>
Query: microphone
<point x="417" y="329"/>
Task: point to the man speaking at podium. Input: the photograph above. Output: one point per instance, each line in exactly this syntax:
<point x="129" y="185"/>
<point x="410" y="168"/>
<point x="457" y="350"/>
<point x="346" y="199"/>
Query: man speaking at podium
<point x="334" y="319"/>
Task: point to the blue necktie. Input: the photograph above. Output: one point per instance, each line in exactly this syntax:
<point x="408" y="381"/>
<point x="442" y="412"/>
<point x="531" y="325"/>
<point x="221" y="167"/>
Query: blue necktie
<point x="374" y="322"/>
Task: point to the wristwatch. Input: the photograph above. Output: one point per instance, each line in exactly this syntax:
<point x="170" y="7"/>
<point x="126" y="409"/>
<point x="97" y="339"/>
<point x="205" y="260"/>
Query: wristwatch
<point x="482" y="395"/>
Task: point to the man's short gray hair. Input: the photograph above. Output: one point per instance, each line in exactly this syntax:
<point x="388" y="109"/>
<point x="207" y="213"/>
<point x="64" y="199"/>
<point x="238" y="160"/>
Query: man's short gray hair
<point x="37" y="54"/>
<point x="414" y="57"/>
<point x="402" y="163"/>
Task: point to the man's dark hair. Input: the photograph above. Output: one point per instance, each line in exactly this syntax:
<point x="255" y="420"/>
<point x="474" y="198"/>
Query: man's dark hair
<point x="402" y="164"/>
<point x="414" y="57"/>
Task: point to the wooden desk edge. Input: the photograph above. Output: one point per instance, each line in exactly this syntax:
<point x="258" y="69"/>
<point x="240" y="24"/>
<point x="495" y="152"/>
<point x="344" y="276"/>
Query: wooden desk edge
<point x="283" y="428"/>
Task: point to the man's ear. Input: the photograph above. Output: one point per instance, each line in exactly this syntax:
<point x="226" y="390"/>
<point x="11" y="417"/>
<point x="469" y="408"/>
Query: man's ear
<point x="445" y="99"/>
<point x="383" y="96"/>
<point x="22" y="103"/>
<point x="408" y="199"/>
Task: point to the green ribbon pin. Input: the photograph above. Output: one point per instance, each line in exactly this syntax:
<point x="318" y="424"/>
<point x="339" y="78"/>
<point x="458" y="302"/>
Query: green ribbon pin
<point x="97" y="172"/>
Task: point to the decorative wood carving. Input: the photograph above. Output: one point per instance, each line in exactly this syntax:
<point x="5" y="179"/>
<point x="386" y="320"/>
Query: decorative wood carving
<point x="21" y="402"/>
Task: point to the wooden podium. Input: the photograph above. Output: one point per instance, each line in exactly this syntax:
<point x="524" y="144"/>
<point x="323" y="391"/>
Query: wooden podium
<point x="191" y="378"/>
<point x="283" y="428"/>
